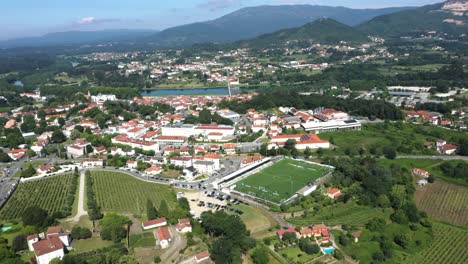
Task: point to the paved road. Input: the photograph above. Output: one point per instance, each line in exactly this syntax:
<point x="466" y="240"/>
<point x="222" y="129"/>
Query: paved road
<point x="171" y="255"/>
<point x="81" y="207"/>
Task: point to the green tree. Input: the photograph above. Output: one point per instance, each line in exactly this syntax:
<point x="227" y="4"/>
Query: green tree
<point x="163" y="209"/>
<point x="260" y="255"/>
<point x="19" y="243"/>
<point x="307" y="153"/>
<point x="58" y="137"/>
<point x="34" y="216"/>
<point x="151" y="211"/>
<point x="157" y="259"/>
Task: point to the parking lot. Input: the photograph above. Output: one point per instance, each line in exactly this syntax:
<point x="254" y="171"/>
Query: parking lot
<point x="204" y="201"/>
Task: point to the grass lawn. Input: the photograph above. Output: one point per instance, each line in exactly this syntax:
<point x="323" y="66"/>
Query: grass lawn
<point x="281" y="180"/>
<point x="349" y="213"/>
<point x="50" y="194"/>
<point x="296" y="255"/>
<point x="121" y="193"/>
<point x="142" y="240"/>
<point x="171" y="174"/>
<point x="83" y="222"/>
<point x="93" y="243"/>
<point x="35" y="164"/>
<point x="255" y="219"/>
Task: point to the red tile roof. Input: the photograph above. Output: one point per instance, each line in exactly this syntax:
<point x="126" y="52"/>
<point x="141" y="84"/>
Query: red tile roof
<point x="155" y="221"/>
<point x="163" y="233"/>
<point x="281" y="232"/>
<point x="202" y="255"/>
<point x="48" y="245"/>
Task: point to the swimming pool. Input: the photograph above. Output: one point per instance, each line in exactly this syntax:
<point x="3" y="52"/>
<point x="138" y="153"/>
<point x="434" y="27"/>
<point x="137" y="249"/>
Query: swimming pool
<point x="6" y="228"/>
<point x="328" y="250"/>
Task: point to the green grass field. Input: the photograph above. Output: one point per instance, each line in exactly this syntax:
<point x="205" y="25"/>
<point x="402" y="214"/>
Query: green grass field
<point x="448" y="246"/>
<point x="50" y="194"/>
<point x="281" y="180"/>
<point x="121" y="193"/>
<point x="349" y="213"/>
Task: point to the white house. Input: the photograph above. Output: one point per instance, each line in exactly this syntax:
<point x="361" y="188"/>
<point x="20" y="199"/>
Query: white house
<point x="101" y="98"/>
<point x="132" y="164"/>
<point x="204" y="167"/>
<point x="31" y="240"/>
<point x="158" y="222"/>
<point x="154" y="170"/>
<point x="78" y="148"/>
<point x="163" y="235"/>
<point x="44" y="169"/>
<point x="184" y="225"/>
<point x="48" y="249"/>
<point x="91" y="163"/>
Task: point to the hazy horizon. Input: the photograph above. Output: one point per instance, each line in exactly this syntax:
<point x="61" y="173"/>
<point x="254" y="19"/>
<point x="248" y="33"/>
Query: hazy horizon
<point x="27" y="18"/>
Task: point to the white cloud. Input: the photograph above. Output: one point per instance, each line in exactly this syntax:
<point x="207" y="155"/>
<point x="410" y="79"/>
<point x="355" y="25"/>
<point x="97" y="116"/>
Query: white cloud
<point x="86" y="20"/>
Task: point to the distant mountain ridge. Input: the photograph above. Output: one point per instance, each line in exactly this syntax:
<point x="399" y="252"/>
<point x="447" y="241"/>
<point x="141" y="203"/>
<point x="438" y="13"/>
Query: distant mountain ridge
<point x="78" y="38"/>
<point x="449" y="17"/>
<point x="323" y="30"/>
<point x="250" y="22"/>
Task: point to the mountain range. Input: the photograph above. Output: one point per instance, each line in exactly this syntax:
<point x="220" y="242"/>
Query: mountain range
<point x="260" y="25"/>
<point x="322" y="30"/>
<point x="450" y="17"/>
<point x="245" y="23"/>
<point x="69" y="38"/>
<point x="250" y="22"/>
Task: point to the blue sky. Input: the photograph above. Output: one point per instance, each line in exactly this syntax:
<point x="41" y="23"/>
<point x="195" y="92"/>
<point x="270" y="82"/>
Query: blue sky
<point x="36" y="17"/>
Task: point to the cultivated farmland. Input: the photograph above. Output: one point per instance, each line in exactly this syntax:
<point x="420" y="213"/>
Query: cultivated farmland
<point x="281" y="180"/>
<point x="50" y="194"/>
<point x="444" y="201"/>
<point x="121" y="193"/>
<point x="448" y="246"/>
<point x="349" y="213"/>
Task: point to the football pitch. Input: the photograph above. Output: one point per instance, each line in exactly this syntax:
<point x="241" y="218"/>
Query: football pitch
<point x="281" y="180"/>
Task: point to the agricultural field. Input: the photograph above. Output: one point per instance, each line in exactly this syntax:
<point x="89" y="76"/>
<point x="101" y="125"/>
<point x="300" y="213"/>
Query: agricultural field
<point x="50" y="194"/>
<point x="444" y="201"/>
<point x="121" y="193"/>
<point x="448" y="246"/>
<point x="407" y="139"/>
<point x="281" y="180"/>
<point x="349" y="213"/>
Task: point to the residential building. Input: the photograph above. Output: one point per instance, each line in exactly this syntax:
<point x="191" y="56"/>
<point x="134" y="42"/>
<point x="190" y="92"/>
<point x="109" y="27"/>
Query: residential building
<point x="163" y="236"/>
<point x="333" y="193"/>
<point x="184" y="226"/>
<point x="202" y="256"/>
<point x="78" y="148"/>
<point x="162" y="221"/>
<point x="48" y="249"/>
<point x="17" y="154"/>
<point x="154" y="170"/>
<point x="421" y="173"/>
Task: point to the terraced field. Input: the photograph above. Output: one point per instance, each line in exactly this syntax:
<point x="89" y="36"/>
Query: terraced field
<point x="448" y="246"/>
<point x="445" y="202"/>
<point x="50" y="194"/>
<point x="350" y="213"/>
<point x="121" y="193"/>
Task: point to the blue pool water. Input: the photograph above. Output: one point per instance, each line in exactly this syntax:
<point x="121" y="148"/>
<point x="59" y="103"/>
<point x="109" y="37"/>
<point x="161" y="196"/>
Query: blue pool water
<point x="328" y="250"/>
<point x="6" y="228"/>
